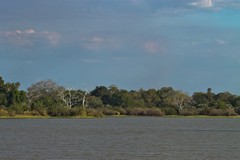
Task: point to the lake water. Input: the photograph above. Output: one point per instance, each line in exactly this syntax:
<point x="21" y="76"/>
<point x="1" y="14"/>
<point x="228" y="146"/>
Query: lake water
<point x="128" y="138"/>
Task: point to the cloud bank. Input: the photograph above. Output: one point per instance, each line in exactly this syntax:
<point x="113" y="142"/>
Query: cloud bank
<point x="29" y="37"/>
<point x="202" y="3"/>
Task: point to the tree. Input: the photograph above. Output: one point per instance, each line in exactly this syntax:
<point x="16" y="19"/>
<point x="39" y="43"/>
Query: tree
<point x="72" y="97"/>
<point x="164" y="94"/>
<point x="45" y="91"/>
<point x="103" y="93"/>
<point x="223" y="100"/>
<point x="150" y="98"/>
<point x="41" y="88"/>
<point x="94" y="102"/>
<point x="1" y="85"/>
<point x="11" y="97"/>
<point x="180" y="100"/>
<point x="210" y="96"/>
<point x="200" y="100"/>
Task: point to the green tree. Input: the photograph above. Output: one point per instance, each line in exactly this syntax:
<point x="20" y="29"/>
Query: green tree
<point x="200" y="100"/>
<point x="46" y="92"/>
<point x="151" y="98"/>
<point x="103" y="93"/>
<point x="94" y="102"/>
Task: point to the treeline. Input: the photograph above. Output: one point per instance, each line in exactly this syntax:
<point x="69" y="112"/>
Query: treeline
<point x="47" y="98"/>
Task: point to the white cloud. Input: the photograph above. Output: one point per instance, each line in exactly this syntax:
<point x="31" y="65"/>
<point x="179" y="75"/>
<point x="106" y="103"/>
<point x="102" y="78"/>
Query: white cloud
<point x="220" y="41"/>
<point x="52" y="37"/>
<point x="98" y="43"/>
<point x="216" y="4"/>
<point x="30" y="31"/>
<point x="28" y="37"/>
<point x="97" y="39"/>
<point x="202" y="3"/>
<point x="91" y="60"/>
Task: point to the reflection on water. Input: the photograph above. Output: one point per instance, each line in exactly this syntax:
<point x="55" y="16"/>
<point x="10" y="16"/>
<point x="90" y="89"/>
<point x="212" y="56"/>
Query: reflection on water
<point x="139" y="138"/>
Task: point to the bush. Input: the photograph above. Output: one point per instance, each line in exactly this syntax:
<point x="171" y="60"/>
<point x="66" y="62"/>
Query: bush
<point x="144" y="112"/>
<point x="58" y="111"/>
<point x="237" y="110"/>
<point x="170" y="111"/>
<point x="203" y="111"/>
<point x="3" y="112"/>
<point x="28" y="113"/>
<point x="33" y="113"/>
<point x="17" y="108"/>
<point x="94" y="113"/>
<point x="154" y="112"/>
<point x="11" y="112"/>
<point x="121" y="110"/>
<point x="110" y="112"/>
<point x="134" y="111"/>
<point x="230" y="112"/>
<point x="223" y="112"/>
<point x="188" y="111"/>
<point x="78" y="111"/>
<point x="216" y="112"/>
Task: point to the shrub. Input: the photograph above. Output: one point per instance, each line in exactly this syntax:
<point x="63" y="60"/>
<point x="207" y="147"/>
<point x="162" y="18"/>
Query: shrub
<point x="154" y="112"/>
<point x="230" y="112"/>
<point x="237" y="110"/>
<point x="144" y="112"/>
<point x="59" y="111"/>
<point x="78" y="111"/>
<point x="188" y="111"/>
<point x="223" y="112"/>
<point x="28" y="113"/>
<point x="94" y="113"/>
<point x="170" y="111"/>
<point x="3" y="112"/>
<point x="110" y="112"/>
<point x="11" y="112"/>
<point x="203" y="111"/>
<point x="121" y="110"/>
<point x="18" y="108"/>
<point x="216" y="112"/>
<point x="134" y="111"/>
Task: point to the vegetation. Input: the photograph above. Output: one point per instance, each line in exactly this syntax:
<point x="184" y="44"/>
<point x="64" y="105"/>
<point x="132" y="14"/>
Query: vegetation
<point x="47" y="98"/>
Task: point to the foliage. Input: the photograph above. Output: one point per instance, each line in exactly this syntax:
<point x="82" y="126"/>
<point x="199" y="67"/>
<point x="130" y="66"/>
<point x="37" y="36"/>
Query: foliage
<point x="145" y="112"/>
<point x="3" y="112"/>
<point x="49" y="98"/>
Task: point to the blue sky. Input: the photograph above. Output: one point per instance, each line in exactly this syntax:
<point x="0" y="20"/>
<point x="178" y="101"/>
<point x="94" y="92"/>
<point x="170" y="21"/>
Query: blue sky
<point x="190" y="45"/>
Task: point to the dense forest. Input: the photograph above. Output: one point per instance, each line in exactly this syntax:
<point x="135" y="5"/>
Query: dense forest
<point x="47" y="98"/>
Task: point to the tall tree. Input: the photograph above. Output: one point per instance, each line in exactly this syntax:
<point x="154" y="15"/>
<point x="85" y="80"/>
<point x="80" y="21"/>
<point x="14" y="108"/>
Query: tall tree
<point x="44" y="91"/>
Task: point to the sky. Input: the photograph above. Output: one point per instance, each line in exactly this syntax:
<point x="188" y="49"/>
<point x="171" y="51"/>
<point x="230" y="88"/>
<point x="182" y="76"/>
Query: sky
<point x="190" y="45"/>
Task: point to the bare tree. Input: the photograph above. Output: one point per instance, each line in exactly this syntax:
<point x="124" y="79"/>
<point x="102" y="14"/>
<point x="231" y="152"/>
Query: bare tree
<point x="45" y="87"/>
<point x="72" y="97"/>
<point x="178" y="99"/>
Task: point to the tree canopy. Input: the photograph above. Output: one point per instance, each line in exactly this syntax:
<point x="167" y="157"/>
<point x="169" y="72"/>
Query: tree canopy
<point x="46" y="97"/>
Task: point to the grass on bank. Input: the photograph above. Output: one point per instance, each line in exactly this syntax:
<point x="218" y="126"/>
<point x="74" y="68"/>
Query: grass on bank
<point x="199" y="116"/>
<point x="117" y="116"/>
<point x="79" y="112"/>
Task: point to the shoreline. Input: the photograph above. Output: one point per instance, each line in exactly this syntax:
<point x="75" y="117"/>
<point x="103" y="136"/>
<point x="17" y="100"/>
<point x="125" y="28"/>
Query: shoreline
<point x="116" y="116"/>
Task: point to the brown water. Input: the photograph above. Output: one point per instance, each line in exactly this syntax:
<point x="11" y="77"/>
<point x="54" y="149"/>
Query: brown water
<point x="130" y="138"/>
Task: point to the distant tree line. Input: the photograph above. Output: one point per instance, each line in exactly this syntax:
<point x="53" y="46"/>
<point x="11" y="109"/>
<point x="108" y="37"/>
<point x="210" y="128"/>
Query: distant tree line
<point x="47" y="98"/>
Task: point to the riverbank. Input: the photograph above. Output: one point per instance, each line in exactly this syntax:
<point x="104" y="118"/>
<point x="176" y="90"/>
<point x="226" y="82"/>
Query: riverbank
<point x="200" y="116"/>
<point x="118" y="116"/>
<point x="44" y="117"/>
